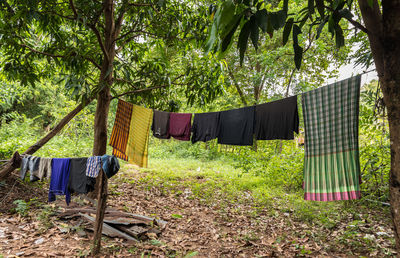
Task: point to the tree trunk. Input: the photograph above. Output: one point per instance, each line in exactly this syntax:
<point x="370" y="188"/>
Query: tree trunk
<point x="101" y="118"/>
<point x="391" y="92"/>
<point x="101" y="208"/>
<point x="384" y="37"/>
<point x="393" y="107"/>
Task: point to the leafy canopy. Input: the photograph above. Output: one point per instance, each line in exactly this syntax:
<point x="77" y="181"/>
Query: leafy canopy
<point x="249" y="17"/>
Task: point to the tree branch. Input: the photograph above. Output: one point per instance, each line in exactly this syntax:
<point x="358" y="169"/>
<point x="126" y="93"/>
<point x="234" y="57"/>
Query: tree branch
<point x="147" y="89"/>
<point x="92" y="27"/>
<point x="140" y="4"/>
<point x="239" y="90"/>
<point x="139" y="90"/>
<point x="72" y="5"/>
<point x="58" y="56"/>
<point x="357" y="25"/>
<point x="93" y="62"/>
<point x="40" y="52"/>
<point x="98" y="36"/>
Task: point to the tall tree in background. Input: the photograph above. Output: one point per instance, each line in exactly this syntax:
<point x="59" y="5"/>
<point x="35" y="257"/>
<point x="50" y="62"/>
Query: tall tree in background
<point x="380" y="20"/>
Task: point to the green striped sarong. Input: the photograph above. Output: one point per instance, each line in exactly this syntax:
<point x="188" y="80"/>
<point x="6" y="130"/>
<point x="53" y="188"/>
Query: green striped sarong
<point x="331" y="163"/>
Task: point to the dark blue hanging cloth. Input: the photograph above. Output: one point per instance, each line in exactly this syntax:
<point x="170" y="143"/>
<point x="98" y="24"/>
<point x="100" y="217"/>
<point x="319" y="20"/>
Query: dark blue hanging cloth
<point x="60" y="169"/>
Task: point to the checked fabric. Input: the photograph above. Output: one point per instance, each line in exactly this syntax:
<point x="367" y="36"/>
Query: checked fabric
<point x="331" y="165"/>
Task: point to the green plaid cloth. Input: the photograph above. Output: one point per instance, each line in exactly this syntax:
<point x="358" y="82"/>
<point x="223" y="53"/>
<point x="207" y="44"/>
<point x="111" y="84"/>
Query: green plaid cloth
<point x="331" y="165"/>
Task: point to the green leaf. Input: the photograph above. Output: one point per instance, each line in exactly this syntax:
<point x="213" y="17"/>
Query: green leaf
<point x="222" y="22"/>
<point x="345" y="13"/>
<point x="176" y="216"/>
<point x="262" y="19"/>
<point x="338" y="4"/>
<point x="191" y="254"/>
<point x="277" y="19"/>
<point x="287" y="30"/>
<point x="311" y="7"/>
<point x="339" y="38"/>
<point x="243" y="38"/>
<point x="242" y="41"/>
<point x="226" y="19"/>
<point x="331" y="25"/>
<point x="320" y="7"/>
<point x="227" y="40"/>
<point x="212" y="37"/>
<point x="298" y="51"/>
<point x="254" y="32"/>
<point x="320" y="27"/>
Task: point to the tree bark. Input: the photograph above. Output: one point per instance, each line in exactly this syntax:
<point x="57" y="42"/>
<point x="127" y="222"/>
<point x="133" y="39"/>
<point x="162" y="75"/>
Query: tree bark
<point x="390" y="85"/>
<point x="101" y="118"/>
<point x="101" y="208"/>
<point x="384" y="37"/>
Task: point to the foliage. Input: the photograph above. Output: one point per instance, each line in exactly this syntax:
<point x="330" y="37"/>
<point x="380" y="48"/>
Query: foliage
<point x="374" y="144"/>
<point x="156" y="47"/>
<point x="249" y="17"/>
<point x="23" y="207"/>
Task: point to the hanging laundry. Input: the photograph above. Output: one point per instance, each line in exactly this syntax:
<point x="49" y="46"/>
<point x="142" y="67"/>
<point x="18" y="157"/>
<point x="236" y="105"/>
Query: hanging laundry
<point x="30" y="163"/>
<point x="60" y="169"/>
<point x="93" y="166"/>
<point x="205" y="126"/>
<point x="110" y="165"/>
<point x="138" y="141"/>
<point x="180" y="126"/>
<point x="44" y="168"/>
<point x="78" y="181"/>
<point x="120" y="131"/>
<point x="160" y="124"/>
<point x="236" y="126"/>
<point x="277" y="119"/>
<point x="331" y="165"/>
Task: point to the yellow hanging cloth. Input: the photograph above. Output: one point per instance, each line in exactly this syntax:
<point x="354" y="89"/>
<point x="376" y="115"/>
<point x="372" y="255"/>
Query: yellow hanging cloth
<point x="138" y="140"/>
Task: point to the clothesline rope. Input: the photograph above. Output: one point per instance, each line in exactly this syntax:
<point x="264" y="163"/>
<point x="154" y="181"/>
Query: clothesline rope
<point x="364" y="72"/>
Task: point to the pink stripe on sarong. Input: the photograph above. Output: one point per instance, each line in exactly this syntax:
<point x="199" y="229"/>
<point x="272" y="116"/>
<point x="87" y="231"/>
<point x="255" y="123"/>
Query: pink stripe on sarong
<point x="338" y="196"/>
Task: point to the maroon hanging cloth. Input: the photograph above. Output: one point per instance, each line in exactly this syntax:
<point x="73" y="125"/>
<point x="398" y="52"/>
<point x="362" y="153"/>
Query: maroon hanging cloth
<point x="180" y="126"/>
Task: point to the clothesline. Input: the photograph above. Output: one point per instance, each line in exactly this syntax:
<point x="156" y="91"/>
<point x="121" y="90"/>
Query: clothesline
<point x="362" y="73"/>
<point x="331" y="133"/>
<point x="68" y="175"/>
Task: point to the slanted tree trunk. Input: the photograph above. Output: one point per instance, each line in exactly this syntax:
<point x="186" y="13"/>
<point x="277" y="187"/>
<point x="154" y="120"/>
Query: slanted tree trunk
<point x="9" y="167"/>
<point x="384" y="37"/>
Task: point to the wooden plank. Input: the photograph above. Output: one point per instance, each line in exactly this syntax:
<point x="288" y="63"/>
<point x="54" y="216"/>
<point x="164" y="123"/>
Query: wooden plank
<point x="109" y="230"/>
<point x="134" y="231"/>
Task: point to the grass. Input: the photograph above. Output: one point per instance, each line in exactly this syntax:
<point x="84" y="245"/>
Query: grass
<point x="221" y="184"/>
<point x="217" y="179"/>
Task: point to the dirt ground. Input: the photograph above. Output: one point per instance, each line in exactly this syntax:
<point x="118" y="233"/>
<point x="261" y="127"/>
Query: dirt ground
<point x="194" y="228"/>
